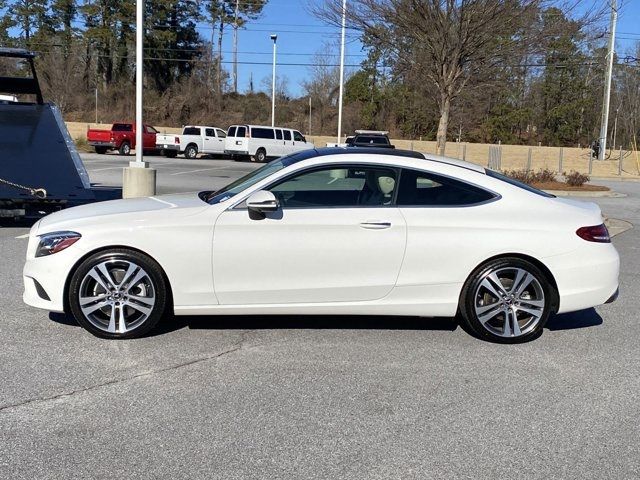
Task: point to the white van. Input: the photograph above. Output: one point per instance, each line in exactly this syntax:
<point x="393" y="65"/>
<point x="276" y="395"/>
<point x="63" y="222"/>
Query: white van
<point x="260" y="143"/>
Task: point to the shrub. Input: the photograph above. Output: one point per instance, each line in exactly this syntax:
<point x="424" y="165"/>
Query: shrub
<point x="82" y="145"/>
<point x="575" y="179"/>
<point x="530" y="177"/>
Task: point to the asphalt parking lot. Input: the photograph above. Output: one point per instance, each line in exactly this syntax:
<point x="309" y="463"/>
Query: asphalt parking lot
<point x="317" y="397"/>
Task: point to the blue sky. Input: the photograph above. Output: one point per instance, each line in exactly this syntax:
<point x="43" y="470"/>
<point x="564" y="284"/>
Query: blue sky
<point x="301" y="35"/>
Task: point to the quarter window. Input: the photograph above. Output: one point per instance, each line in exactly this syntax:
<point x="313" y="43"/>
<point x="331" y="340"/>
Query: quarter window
<point x="191" y="131"/>
<point x="347" y="186"/>
<point x="241" y="132"/>
<point x="428" y="189"/>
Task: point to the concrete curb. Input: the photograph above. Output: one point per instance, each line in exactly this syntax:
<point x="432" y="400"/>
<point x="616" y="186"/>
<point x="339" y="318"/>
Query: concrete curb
<point x="592" y="194"/>
<point x="617" y="226"/>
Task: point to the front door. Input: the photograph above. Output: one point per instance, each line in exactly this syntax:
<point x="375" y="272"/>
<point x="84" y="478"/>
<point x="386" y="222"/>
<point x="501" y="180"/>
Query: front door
<point x="336" y="238"/>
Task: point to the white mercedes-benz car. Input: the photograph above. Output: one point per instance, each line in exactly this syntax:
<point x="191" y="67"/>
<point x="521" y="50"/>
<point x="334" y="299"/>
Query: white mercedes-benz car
<point x="329" y="231"/>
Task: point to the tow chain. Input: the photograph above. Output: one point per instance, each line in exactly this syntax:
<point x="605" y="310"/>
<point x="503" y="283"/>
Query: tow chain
<point x="36" y="192"/>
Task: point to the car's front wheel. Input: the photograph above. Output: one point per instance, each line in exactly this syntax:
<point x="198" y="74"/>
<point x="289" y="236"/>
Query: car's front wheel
<point x="118" y="294"/>
<point x="507" y="300"/>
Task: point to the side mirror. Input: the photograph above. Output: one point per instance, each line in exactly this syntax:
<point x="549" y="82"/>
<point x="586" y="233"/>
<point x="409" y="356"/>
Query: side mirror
<point x="262" y="202"/>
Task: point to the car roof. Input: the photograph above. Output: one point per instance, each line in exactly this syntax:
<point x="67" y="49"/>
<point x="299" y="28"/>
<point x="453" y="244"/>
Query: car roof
<point x="260" y="126"/>
<point x="321" y="152"/>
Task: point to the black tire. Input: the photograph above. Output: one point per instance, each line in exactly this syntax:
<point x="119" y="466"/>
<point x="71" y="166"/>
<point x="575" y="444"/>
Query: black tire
<point x="125" y="149"/>
<point x="154" y="281"/>
<point x="260" y="156"/>
<point x="170" y="153"/>
<point x="191" y="152"/>
<point x="474" y="293"/>
<point x="101" y="150"/>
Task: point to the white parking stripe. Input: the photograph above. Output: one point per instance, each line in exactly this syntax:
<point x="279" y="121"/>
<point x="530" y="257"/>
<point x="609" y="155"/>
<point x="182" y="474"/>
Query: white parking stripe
<point x="26" y="235"/>
<point x="195" y="171"/>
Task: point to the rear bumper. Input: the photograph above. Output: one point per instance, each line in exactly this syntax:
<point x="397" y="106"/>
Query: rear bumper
<point x="168" y="147"/>
<point x="587" y="277"/>
<point x="95" y="143"/>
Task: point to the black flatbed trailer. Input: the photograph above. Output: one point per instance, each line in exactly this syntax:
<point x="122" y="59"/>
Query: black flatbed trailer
<point x="40" y="168"/>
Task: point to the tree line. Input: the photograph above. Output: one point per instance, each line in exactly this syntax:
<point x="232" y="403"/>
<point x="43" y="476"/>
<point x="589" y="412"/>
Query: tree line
<point x="510" y="71"/>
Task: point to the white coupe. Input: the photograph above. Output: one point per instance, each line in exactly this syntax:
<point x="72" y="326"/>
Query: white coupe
<point x="329" y="231"/>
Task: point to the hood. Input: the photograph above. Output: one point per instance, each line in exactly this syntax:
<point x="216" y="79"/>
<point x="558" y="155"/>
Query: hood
<point x="101" y="211"/>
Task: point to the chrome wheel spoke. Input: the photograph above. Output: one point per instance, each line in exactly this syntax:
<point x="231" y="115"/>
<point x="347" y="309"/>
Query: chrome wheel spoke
<point x="87" y="310"/>
<point x="506" y="327"/>
<point x="514" y="322"/>
<point x="492" y="289"/>
<point x="145" y="309"/>
<point x="84" y="301"/>
<point x="139" y="276"/>
<point x="122" y="325"/>
<point x="130" y="271"/>
<point x="528" y="278"/>
<point x="485" y="308"/>
<point x="530" y="311"/>
<point x="106" y="274"/>
<point x="93" y="273"/>
<point x="485" y="317"/>
<point x="112" y="320"/>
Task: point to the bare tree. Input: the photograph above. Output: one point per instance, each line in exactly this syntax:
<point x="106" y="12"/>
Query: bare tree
<point x="450" y="41"/>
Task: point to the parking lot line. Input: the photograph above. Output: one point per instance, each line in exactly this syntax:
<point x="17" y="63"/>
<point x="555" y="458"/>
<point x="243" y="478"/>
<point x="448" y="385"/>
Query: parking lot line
<point x="26" y="235"/>
<point x="196" y="171"/>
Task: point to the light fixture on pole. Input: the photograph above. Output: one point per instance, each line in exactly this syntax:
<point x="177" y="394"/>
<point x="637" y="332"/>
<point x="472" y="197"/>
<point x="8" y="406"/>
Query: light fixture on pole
<point x="344" y="25"/>
<point x="138" y="179"/>
<point x="274" y="37"/>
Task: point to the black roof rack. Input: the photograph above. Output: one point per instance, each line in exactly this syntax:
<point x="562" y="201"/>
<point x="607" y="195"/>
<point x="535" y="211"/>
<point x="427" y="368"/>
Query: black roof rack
<point x="16" y="53"/>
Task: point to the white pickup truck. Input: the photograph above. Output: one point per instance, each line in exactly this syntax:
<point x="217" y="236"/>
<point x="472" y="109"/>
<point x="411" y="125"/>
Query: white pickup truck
<point x="195" y="139"/>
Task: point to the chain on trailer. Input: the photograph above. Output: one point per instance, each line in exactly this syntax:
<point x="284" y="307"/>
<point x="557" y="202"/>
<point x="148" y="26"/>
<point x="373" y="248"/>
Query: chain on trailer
<point x="36" y="192"/>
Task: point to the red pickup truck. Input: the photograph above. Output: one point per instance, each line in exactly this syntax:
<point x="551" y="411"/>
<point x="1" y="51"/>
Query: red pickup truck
<point x="121" y="137"/>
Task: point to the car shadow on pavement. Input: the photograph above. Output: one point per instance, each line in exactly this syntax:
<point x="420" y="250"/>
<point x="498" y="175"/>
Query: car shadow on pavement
<point x="305" y="322"/>
<point x="574" y="320"/>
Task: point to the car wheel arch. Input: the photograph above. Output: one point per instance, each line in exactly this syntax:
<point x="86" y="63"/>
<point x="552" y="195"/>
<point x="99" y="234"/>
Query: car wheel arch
<point x="76" y="265"/>
<point x="528" y="258"/>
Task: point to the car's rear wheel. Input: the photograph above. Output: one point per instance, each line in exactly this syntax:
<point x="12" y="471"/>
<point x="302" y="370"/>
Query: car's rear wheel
<point x="125" y="148"/>
<point x="260" y="156"/>
<point x="191" y="152"/>
<point x="507" y="300"/>
<point x="118" y="294"/>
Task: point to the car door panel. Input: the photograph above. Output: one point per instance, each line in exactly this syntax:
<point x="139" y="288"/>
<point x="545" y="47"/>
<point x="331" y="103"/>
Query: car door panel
<point x="307" y="255"/>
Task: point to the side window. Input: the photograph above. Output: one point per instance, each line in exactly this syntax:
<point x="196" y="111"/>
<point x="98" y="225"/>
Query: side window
<point x="287" y="134"/>
<point x="231" y="132"/>
<point x="266" y="133"/>
<point x="429" y="189"/>
<point x="220" y="133"/>
<point x="241" y="132"/>
<point x="210" y="132"/>
<point x="278" y="134"/>
<point x="151" y="130"/>
<point x="337" y="186"/>
<point x="297" y="136"/>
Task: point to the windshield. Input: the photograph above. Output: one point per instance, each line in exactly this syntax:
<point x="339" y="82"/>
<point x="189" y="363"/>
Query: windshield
<point x="517" y="183"/>
<point x="249" y="180"/>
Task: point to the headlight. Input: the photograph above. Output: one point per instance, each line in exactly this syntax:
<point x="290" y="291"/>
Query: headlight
<point x="55" y="242"/>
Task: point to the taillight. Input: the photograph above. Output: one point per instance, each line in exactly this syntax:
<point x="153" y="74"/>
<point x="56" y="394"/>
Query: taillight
<point x="595" y="233"/>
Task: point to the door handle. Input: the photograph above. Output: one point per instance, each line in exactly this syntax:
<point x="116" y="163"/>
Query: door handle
<point x="374" y="225"/>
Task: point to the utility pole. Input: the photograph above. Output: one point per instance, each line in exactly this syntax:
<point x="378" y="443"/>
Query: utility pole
<point x="96" y="104"/>
<point x="344" y="25"/>
<point x="607" y="80"/>
<point x="235" y="49"/>
<point x="309" y="115"/>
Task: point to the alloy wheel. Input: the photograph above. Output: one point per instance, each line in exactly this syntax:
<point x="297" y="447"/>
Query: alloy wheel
<point x="509" y="302"/>
<point x="117" y="296"/>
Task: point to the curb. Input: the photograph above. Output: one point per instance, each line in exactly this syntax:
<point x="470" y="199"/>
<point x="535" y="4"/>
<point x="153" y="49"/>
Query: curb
<point x="616" y="226"/>
<point x="591" y="194"/>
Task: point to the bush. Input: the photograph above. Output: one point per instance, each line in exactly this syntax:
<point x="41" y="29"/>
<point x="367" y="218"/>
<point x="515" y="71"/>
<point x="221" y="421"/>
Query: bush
<point x="575" y="179"/>
<point x="82" y="145"/>
<point x="530" y="177"/>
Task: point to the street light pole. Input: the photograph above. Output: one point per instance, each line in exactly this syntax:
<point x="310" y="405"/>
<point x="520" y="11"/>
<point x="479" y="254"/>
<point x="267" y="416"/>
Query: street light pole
<point x="273" y="83"/>
<point x="607" y="81"/>
<point x="344" y="24"/>
<point x="138" y="180"/>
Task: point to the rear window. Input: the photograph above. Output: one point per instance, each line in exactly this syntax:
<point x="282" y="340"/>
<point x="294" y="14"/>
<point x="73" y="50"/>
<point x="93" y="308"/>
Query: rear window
<point x="372" y="140"/>
<point x="262" y="133"/>
<point x="517" y="183"/>
<point x="122" y="127"/>
<point x="231" y="132"/>
<point x="191" y="131"/>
